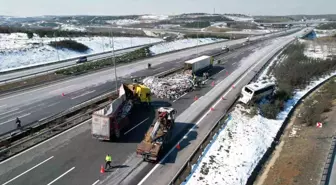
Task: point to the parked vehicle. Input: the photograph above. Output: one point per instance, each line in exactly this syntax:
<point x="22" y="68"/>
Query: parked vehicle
<point x="158" y="135"/>
<point x="199" y="65"/>
<point x="111" y="120"/>
<point x="256" y="90"/>
<point x="81" y="60"/>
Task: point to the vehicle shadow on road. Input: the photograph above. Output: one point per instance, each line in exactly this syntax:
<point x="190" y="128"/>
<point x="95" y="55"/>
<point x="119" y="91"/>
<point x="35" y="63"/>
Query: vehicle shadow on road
<point x="115" y="167"/>
<point x="160" y="103"/>
<point x="140" y="120"/>
<point x="192" y="135"/>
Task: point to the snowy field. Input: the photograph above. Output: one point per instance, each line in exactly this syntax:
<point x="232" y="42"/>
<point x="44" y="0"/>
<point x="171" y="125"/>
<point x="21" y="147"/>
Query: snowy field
<point x="324" y="33"/>
<point x="240" y="145"/>
<point x="142" y="19"/>
<point x="240" y="19"/>
<point x="17" y="51"/>
<point x="255" y="32"/>
<point x="321" y="50"/>
<point x="180" y="44"/>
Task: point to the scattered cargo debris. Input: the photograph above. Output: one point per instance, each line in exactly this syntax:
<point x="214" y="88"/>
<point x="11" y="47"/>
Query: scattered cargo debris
<point x="171" y="87"/>
<point x="158" y="134"/>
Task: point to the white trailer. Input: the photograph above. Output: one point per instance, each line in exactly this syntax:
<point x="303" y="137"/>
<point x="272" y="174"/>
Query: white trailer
<point x="198" y="64"/>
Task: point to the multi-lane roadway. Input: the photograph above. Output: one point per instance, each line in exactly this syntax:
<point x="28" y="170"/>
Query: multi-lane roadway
<point x="12" y="76"/>
<point x="83" y="155"/>
<point x="36" y="104"/>
<point x="74" y="157"/>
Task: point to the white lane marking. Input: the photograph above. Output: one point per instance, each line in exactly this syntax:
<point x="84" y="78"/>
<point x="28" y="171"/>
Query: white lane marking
<point x="69" y="81"/>
<point x="219" y="100"/>
<point x="11" y="114"/>
<point x="86" y="93"/>
<point x="234" y="63"/>
<point x="163" y="72"/>
<point x="52" y="104"/>
<point x="95" y="182"/>
<point x="15" y="118"/>
<point x="136" y="126"/>
<point x="180" y="97"/>
<point x="59" y="135"/>
<point x="61" y="176"/>
<point x="28" y="170"/>
<point x="3" y="105"/>
<point x="9" y="111"/>
<point x="221" y="70"/>
<point x="157" y="68"/>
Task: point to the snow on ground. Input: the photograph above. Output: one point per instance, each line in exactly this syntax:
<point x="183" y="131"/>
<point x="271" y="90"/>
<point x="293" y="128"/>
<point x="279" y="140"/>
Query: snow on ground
<point x="155" y="17"/>
<point x="180" y="44"/>
<point x="17" y="51"/>
<point x="239" y="146"/>
<point x="324" y="33"/>
<point x="242" y="19"/>
<point x="142" y="19"/>
<point x="70" y="27"/>
<point x="219" y="24"/>
<point x="123" y="22"/>
<point x="321" y="50"/>
<point x="250" y="31"/>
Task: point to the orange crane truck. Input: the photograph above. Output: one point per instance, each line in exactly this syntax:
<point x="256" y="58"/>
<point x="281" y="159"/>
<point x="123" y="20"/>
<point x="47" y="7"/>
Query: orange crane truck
<point x="158" y="135"/>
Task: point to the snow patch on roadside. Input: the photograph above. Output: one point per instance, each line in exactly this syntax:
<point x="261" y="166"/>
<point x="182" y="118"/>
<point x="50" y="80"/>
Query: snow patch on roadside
<point x="181" y="44"/>
<point x="241" y="144"/>
<point x="17" y="51"/>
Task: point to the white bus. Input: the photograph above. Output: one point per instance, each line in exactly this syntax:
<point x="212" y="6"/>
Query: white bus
<point x="253" y="90"/>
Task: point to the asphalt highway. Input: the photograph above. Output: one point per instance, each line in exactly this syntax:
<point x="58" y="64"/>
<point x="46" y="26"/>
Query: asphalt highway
<point x="75" y="157"/>
<point x="35" y="104"/>
<point x="28" y="73"/>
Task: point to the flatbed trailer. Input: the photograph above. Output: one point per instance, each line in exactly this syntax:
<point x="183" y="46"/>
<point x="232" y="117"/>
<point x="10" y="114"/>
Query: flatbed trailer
<point x="158" y="135"/>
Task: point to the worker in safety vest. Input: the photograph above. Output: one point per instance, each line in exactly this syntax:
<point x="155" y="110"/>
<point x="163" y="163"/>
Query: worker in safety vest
<point x="108" y="160"/>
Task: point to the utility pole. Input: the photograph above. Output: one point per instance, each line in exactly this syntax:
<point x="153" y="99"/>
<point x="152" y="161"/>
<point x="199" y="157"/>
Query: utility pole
<point x="114" y="63"/>
<point x="56" y="47"/>
<point x="197" y="37"/>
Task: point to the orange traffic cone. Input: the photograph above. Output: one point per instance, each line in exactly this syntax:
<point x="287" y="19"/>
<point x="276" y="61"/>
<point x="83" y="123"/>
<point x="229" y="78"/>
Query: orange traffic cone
<point x="212" y="109"/>
<point x="233" y="86"/>
<point x="223" y="98"/>
<point x="178" y="146"/>
<point x="63" y="94"/>
<point x="213" y="83"/>
<point x="227" y="73"/>
<point x="102" y="170"/>
<point x="196" y="98"/>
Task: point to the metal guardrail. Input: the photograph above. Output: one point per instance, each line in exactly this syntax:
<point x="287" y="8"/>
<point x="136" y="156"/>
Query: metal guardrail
<point x="17" y="147"/>
<point x="75" y="58"/>
<point x="325" y="179"/>
<point x="220" y="123"/>
<point x="64" y="67"/>
<point x="55" y="69"/>
<point x="51" y="118"/>
<point x="59" y="115"/>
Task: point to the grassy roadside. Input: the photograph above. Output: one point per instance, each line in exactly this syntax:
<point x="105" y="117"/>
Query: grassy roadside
<point x="295" y="71"/>
<point x="301" y="155"/>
